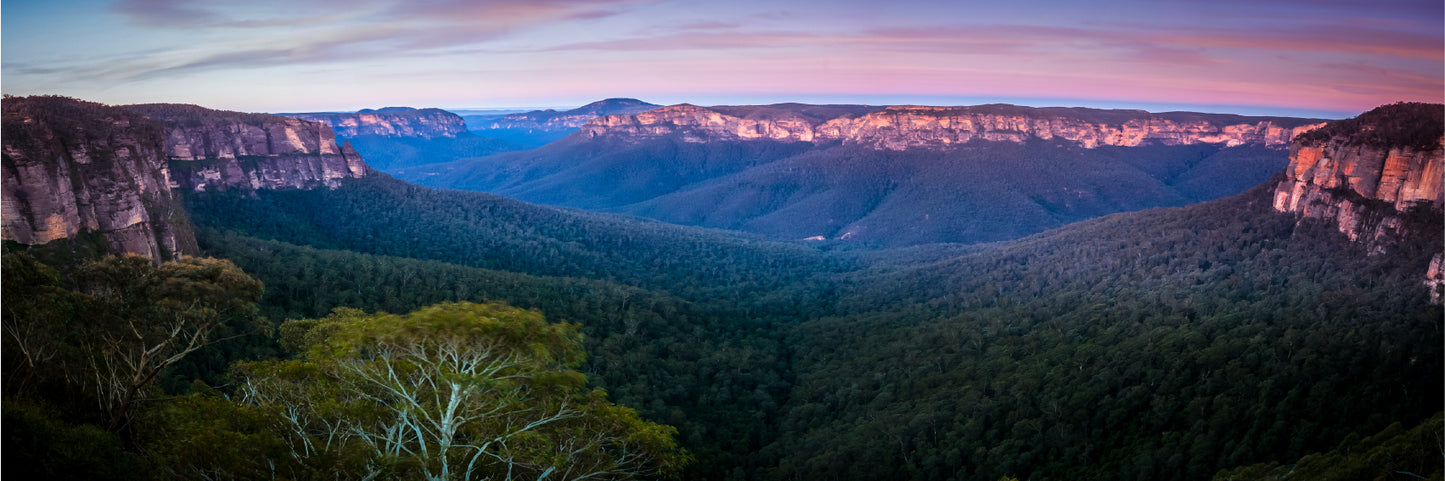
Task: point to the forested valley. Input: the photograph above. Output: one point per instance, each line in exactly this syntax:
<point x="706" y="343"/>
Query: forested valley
<point x="1216" y="338"/>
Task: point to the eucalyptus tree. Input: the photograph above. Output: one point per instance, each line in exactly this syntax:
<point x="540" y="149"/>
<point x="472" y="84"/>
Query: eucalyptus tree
<point x="144" y="318"/>
<point x="452" y="391"/>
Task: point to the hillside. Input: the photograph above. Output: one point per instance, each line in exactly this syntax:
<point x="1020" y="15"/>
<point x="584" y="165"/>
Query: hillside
<point x="380" y="215"/>
<point x="876" y="176"/>
<point x="1192" y="344"/>
<point x="936" y="350"/>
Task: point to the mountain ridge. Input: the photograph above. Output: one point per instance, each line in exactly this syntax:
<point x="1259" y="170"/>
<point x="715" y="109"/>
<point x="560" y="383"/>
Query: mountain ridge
<point x="390" y="121"/>
<point x="900" y="127"/>
<point x="784" y="169"/>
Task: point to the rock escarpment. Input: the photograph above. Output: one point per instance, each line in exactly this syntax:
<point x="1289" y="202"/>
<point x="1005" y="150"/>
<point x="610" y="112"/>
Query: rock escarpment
<point x="73" y="167"/>
<point x="1368" y="173"/>
<point x="390" y="122"/>
<point x="1365" y="185"/>
<point x="214" y="149"/>
<point x="904" y="127"/>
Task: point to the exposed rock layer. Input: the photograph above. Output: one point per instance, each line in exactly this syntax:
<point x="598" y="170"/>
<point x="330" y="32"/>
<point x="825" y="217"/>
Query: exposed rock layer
<point x="1367" y="186"/>
<point x="391" y="122"/>
<point x="73" y="167"/>
<point x="902" y="127"/>
<point x="213" y="149"/>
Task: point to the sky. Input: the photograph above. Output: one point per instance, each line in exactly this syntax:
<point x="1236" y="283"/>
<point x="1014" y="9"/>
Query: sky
<point x="1321" y="58"/>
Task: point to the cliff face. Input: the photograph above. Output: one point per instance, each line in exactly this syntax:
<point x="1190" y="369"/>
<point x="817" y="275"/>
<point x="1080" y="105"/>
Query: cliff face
<point x="1335" y="181"/>
<point x="1366" y="173"/>
<point x="212" y="149"/>
<point x="904" y="127"/>
<point x="72" y="167"/>
<point x="391" y="122"/>
<point x="1364" y="186"/>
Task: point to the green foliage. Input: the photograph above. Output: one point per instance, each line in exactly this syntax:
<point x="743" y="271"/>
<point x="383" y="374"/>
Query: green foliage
<point x="379" y="215"/>
<point x="40" y="315"/>
<point x="145" y="318"/>
<point x="83" y="353"/>
<point x="106" y="343"/>
<point x="204" y="435"/>
<point x="1404" y="124"/>
<point x="452" y="391"/>
<point x="710" y="370"/>
<point x="40" y="445"/>
<point x="1393" y="454"/>
<point x="1209" y="337"/>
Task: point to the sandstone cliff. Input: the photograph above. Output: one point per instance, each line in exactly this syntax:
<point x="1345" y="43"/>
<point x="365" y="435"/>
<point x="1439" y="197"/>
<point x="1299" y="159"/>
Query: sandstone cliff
<point x="214" y="149"/>
<point x="1366" y="174"/>
<point x="391" y="122"/>
<point x="903" y="127"/>
<point x="73" y="167"/>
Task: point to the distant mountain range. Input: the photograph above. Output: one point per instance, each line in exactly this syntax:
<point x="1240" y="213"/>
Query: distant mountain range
<point x="390" y="121"/>
<point x="399" y="137"/>
<point x="882" y="176"/>
<point x="404" y="136"/>
<point x="539" y="127"/>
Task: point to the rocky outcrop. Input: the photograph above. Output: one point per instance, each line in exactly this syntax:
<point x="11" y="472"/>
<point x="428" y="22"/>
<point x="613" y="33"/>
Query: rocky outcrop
<point x="74" y="167"/>
<point x="904" y="127"/>
<point x="214" y="149"/>
<point x="552" y="120"/>
<point x="1365" y="174"/>
<point x="1348" y="182"/>
<point x="391" y="122"/>
<point x="1364" y="186"/>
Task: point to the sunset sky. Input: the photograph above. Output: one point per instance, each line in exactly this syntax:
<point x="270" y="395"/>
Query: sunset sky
<point x="1293" y="57"/>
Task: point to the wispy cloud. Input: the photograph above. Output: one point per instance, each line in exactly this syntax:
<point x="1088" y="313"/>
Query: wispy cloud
<point x="256" y="14"/>
<point x="314" y="33"/>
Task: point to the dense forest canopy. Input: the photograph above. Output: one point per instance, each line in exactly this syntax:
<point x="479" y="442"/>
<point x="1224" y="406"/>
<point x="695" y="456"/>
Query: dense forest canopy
<point x="1213" y="336"/>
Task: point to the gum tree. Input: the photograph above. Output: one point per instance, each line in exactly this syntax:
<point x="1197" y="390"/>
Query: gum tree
<point x="452" y="391"/>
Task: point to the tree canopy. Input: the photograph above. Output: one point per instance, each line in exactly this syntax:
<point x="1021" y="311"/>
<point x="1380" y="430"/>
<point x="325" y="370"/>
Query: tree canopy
<point x="451" y="391"/>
